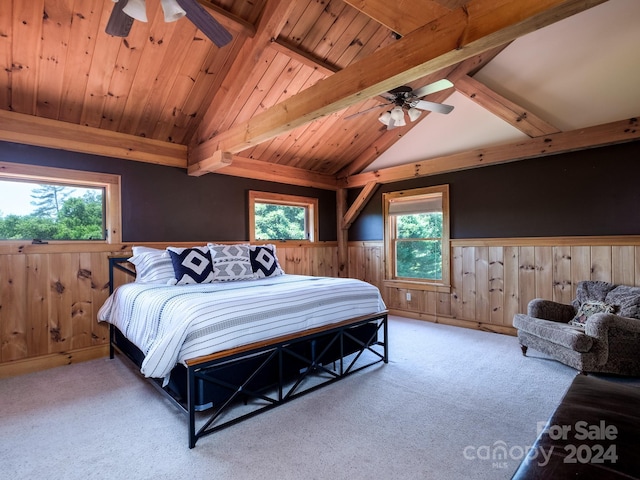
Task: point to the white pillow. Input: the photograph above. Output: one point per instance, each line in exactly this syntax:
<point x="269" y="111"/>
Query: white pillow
<point x="152" y="265"/>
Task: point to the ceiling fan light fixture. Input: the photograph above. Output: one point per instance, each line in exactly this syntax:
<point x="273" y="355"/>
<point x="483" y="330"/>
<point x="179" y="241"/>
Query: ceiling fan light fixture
<point x="397" y="114"/>
<point x="385" y="118"/>
<point x="414" y="114"/>
<point x="136" y="9"/>
<point x="172" y="11"/>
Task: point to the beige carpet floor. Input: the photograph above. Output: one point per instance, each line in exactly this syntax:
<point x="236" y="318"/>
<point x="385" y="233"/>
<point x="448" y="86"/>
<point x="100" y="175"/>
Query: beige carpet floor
<point x="447" y="397"/>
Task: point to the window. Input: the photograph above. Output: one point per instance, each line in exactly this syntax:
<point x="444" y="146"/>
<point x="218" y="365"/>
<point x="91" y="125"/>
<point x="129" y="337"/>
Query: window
<point x="282" y="217"/>
<point x="417" y="235"/>
<point x="45" y="204"/>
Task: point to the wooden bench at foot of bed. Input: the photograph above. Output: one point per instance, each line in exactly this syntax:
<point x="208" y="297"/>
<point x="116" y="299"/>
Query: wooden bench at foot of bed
<point x="219" y="390"/>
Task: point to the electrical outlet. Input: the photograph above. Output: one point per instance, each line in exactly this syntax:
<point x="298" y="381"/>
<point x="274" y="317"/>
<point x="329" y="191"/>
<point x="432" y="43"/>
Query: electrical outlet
<point x="408" y="296"/>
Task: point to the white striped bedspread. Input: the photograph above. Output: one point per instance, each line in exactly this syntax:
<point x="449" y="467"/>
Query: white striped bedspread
<point x="172" y="324"/>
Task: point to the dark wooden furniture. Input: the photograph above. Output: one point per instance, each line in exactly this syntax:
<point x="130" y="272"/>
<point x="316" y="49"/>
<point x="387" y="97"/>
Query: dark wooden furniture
<point x="593" y="434"/>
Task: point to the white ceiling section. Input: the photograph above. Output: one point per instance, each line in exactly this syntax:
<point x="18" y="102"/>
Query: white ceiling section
<point x="580" y="72"/>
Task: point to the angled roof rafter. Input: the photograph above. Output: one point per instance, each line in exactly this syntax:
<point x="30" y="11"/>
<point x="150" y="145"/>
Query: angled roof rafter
<point x="454" y="37"/>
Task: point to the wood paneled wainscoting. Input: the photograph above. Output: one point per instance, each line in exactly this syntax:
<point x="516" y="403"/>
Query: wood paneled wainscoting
<point x="50" y="296"/>
<point x="493" y="279"/>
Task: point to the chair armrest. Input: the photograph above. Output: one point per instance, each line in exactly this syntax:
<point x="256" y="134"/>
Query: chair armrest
<point x="550" y="310"/>
<point x="597" y="325"/>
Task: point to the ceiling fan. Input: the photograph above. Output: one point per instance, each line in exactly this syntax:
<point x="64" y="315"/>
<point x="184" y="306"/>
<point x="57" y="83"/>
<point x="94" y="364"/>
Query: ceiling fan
<point x="405" y="98"/>
<point x="126" y="11"/>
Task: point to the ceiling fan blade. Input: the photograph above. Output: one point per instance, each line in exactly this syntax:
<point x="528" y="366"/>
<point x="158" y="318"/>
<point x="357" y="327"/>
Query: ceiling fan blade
<point x="119" y="24"/>
<point x="433" y="88"/>
<point x="205" y="22"/>
<point x="432" y="106"/>
<point x="357" y="114"/>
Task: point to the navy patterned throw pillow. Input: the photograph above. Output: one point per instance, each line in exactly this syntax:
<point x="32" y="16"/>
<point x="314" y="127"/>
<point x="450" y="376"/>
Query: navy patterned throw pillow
<point x="191" y="265"/>
<point x="264" y="261"/>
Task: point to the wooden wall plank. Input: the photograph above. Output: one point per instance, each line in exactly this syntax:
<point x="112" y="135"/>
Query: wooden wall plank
<point x="430" y="303"/>
<point x="511" y="284"/>
<point x="81" y="303"/>
<point x="37" y="312"/>
<point x="61" y="282"/>
<point x="13" y="284"/>
<point x="580" y="264"/>
<point x="468" y="283"/>
<point x="483" y="314"/>
<point x="544" y="272"/>
<point x="99" y="269"/>
<point x="562" y="287"/>
<point x="456" y="281"/>
<point x="526" y="277"/>
<point x="601" y="263"/>
<point x="623" y="262"/>
<point x="496" y="285"/>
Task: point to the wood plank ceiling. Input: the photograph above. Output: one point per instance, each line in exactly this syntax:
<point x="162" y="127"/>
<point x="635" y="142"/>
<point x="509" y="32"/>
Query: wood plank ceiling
<point x="276" y="97"/>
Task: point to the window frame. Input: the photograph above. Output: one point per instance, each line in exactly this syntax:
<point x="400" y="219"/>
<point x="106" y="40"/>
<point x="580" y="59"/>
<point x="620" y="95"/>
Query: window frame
<point x="62" y="176"/>
<point x="391" y="280"/>
<point x="311" y="220"/>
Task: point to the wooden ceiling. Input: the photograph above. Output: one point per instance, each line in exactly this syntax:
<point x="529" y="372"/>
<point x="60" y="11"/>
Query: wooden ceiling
<point x="272" y="103"/>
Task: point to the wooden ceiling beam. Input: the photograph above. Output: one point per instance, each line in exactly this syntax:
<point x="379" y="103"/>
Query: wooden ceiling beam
<point x="281" y="45"/>
<point x="479" y="26"/>
<point x="272" y="19"/>
<point x="358" y="204"/>
<point x="512" y="113"/>
<point x="389" y="137"/>
<point x="272" y="172"/>
<point x="44" y="132"/>
<point x="400" y="16"/>
<point x="580" y="139"/>
<point x="228" y="20"/>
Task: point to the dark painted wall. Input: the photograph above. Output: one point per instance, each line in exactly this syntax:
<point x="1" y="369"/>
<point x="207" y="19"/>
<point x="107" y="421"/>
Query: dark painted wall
<point x="590" y="192"/>
<point x="164" y="204"/>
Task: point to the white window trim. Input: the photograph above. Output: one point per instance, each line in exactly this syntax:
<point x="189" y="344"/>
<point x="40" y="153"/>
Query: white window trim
<point x="390" y="280"/>
<point x="311" y="204"/>
<point x="110" y="183"/>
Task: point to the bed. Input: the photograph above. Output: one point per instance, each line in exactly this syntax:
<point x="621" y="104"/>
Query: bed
<point x="224" y="351"/>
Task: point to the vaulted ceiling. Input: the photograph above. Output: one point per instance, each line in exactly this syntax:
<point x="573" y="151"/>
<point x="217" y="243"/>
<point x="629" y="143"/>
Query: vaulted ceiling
<point x="274" y="102"/>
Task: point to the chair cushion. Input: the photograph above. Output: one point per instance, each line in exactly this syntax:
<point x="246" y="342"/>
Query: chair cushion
<point x="627" y="299"/>
<point x="592" y="290"/>
<point x="555" y="332"/>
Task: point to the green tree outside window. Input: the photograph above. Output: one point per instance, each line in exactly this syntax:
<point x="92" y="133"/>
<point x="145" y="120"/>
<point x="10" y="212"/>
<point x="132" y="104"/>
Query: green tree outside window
<point x="59" y="213"/>
<point x="419" y="245"/>
<point x="279" y="222"/>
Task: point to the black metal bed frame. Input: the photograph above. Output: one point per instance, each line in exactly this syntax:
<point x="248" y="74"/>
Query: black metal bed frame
<point x="294" y="364"/>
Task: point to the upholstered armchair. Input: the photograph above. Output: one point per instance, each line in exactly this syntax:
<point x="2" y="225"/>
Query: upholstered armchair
<point x="598" y="332"/>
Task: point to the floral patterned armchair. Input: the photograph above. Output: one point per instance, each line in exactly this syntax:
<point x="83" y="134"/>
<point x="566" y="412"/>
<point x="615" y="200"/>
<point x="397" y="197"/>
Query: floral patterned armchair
<point x="598" y="332"/>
